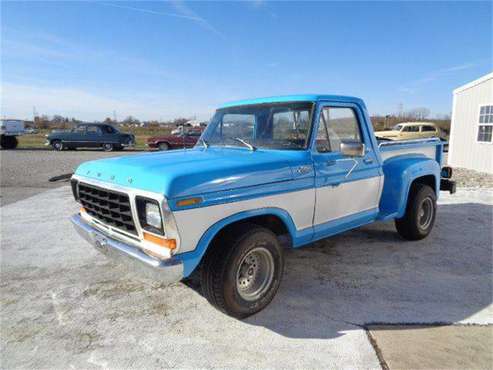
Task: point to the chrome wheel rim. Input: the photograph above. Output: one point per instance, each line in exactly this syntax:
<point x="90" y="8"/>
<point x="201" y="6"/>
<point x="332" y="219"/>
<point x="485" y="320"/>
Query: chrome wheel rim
<point x="425" y="213"/>
<point x="255" y="274"/>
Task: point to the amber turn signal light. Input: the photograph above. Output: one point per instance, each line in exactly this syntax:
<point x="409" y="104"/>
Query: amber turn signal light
<point x="163" y="242"/>
<point x="188" y="202"/>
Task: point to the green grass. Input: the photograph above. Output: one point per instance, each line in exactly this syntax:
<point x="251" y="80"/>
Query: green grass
<point x="37" y="141"/>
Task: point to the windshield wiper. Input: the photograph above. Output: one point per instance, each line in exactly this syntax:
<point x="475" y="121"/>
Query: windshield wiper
<point x="204" y="142"/>
<point x="247" y="144"/>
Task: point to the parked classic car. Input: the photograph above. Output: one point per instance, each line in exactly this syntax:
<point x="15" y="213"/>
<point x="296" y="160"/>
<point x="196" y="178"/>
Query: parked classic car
<point x="409" y="131"/>
<point x="90" y="135"/>
<point x="269" y="174"/>
<point x="186" y="139"/>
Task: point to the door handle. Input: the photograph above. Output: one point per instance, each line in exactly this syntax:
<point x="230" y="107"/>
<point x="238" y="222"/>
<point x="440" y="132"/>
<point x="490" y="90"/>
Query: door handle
<point x="368" y="160"/>
<point x="331" y="163"/>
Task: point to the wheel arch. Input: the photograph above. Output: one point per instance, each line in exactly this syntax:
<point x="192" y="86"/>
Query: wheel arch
<point x="401" y="174"/>
<point x="275" y="219"/>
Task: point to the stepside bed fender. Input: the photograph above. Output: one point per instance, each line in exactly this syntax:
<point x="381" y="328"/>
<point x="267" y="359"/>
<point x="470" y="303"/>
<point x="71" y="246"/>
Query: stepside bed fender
<point x="192" y="259"/>
<point x="399" y="174"/>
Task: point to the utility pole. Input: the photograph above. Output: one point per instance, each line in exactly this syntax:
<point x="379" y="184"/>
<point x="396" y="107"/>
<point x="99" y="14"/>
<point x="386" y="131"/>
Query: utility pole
<point x="401" y="110"/>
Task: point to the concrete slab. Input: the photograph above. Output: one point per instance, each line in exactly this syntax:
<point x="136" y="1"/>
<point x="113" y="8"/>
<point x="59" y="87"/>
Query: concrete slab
<point x="62" y="305"/>
<point x="442" y="347"/>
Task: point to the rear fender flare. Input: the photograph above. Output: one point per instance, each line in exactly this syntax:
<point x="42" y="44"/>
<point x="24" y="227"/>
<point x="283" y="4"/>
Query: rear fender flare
<point x="400" y="172"/>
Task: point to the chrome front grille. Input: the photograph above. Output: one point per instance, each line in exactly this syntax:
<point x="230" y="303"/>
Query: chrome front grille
<point x="108" y="206"/>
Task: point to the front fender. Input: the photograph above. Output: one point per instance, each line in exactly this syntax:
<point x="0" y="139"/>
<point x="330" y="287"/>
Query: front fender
<point x="192" y="259"/>
<point x="399" y="174"/>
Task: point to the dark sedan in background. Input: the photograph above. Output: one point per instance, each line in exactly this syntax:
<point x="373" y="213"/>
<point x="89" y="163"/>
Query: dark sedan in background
<point x="186" y="139"/>
<point x="90" y="135"/>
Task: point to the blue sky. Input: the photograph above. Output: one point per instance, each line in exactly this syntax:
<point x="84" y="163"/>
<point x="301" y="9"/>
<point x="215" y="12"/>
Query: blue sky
<point x="159" y="60"/>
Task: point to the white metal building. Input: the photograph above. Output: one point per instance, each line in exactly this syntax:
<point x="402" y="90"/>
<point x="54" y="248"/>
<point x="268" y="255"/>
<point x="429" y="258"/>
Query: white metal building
<point x="471" y="131"/>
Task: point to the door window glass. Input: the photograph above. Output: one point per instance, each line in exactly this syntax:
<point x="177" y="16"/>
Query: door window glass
<point x="411" y="129"/>
<point x="337" y="124"/>
<point x="427" y="128"/>
<point x="108" y="130"/>
<point x="93" y="130"/>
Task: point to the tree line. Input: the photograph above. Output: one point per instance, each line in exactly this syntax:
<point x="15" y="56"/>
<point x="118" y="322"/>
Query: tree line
<point x="61" y="122"/>
<point x="380" y="122"/>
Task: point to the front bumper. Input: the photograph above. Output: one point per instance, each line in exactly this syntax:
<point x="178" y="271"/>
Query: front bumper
<point x="167" y="271"/>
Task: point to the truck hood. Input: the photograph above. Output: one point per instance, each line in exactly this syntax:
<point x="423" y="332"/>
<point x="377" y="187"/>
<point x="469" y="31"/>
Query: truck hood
<point x="197" y="171"/>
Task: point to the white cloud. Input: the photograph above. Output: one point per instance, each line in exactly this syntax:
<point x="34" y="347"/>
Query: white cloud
<point x="149" y="11"/>
<point x="414" y="86"/>
<point x="182" y="11"/>
<point x="185" y="10"/>
<point x="17" y="101"/>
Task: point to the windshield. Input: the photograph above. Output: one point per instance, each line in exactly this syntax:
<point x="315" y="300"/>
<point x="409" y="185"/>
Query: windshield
<point x="273" y="126"/>
<point x="397" y="128"/>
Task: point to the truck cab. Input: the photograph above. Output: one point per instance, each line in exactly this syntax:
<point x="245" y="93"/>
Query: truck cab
<point x="9" y="130"/>
<point x="267" y="174"/>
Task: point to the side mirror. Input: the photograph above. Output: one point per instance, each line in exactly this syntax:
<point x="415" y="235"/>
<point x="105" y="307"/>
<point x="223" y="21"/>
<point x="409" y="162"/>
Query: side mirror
<point x="353" y="148"/>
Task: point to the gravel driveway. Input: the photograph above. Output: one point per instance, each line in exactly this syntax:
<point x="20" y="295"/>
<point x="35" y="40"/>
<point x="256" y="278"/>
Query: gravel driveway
<point x="25" y="173"/>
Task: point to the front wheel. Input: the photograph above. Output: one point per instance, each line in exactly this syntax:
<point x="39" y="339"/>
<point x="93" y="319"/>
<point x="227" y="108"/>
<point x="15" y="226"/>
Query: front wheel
<point x="241" y="275"/>
<point x="420" y="214"/>
<point x="8" y="142"/>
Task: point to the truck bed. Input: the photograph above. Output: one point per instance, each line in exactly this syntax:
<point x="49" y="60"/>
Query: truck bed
<point x="431" y="148"/>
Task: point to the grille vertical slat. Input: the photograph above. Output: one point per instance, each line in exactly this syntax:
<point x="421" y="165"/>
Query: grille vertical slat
<point x="108" y="206"/>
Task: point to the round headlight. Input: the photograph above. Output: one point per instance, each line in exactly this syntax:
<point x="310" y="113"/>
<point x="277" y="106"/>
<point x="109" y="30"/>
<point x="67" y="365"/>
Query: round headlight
<point x="153" y="215"/>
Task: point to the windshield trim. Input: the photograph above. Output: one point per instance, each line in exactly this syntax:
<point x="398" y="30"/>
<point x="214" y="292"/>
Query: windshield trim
<point x="307" y="143"/>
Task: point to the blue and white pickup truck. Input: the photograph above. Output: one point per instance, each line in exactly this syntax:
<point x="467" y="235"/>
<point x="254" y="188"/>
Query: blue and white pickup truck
<point x="266" y="174"/>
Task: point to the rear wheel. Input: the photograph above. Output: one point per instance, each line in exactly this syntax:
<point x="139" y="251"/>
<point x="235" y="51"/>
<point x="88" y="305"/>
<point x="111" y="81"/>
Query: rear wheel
<point x="108" y="147"/>
<point x="8" y="142"/>
<point x="163" y="146"/>
<point x="57" y="145"/>
<point x="420" y="214"/>
<point x="241" y="275"/>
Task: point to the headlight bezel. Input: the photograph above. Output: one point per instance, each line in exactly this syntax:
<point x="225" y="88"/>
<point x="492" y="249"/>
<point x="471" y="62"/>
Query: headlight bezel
<point x="141" y="204"/>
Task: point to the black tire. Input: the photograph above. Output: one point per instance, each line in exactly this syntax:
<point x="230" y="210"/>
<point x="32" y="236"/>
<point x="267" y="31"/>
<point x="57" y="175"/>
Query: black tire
<point x="420" y="214"/>
<point x="225" y="271"/>
<point x="118" y="148"/>
<point x="57" y="145"/>
<point x="163" y="146"/>
<point x="8" y="142"/>
<point x="108" y="147"/>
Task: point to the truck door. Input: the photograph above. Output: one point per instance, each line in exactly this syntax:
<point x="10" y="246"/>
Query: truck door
<point x="347" y="187"/>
